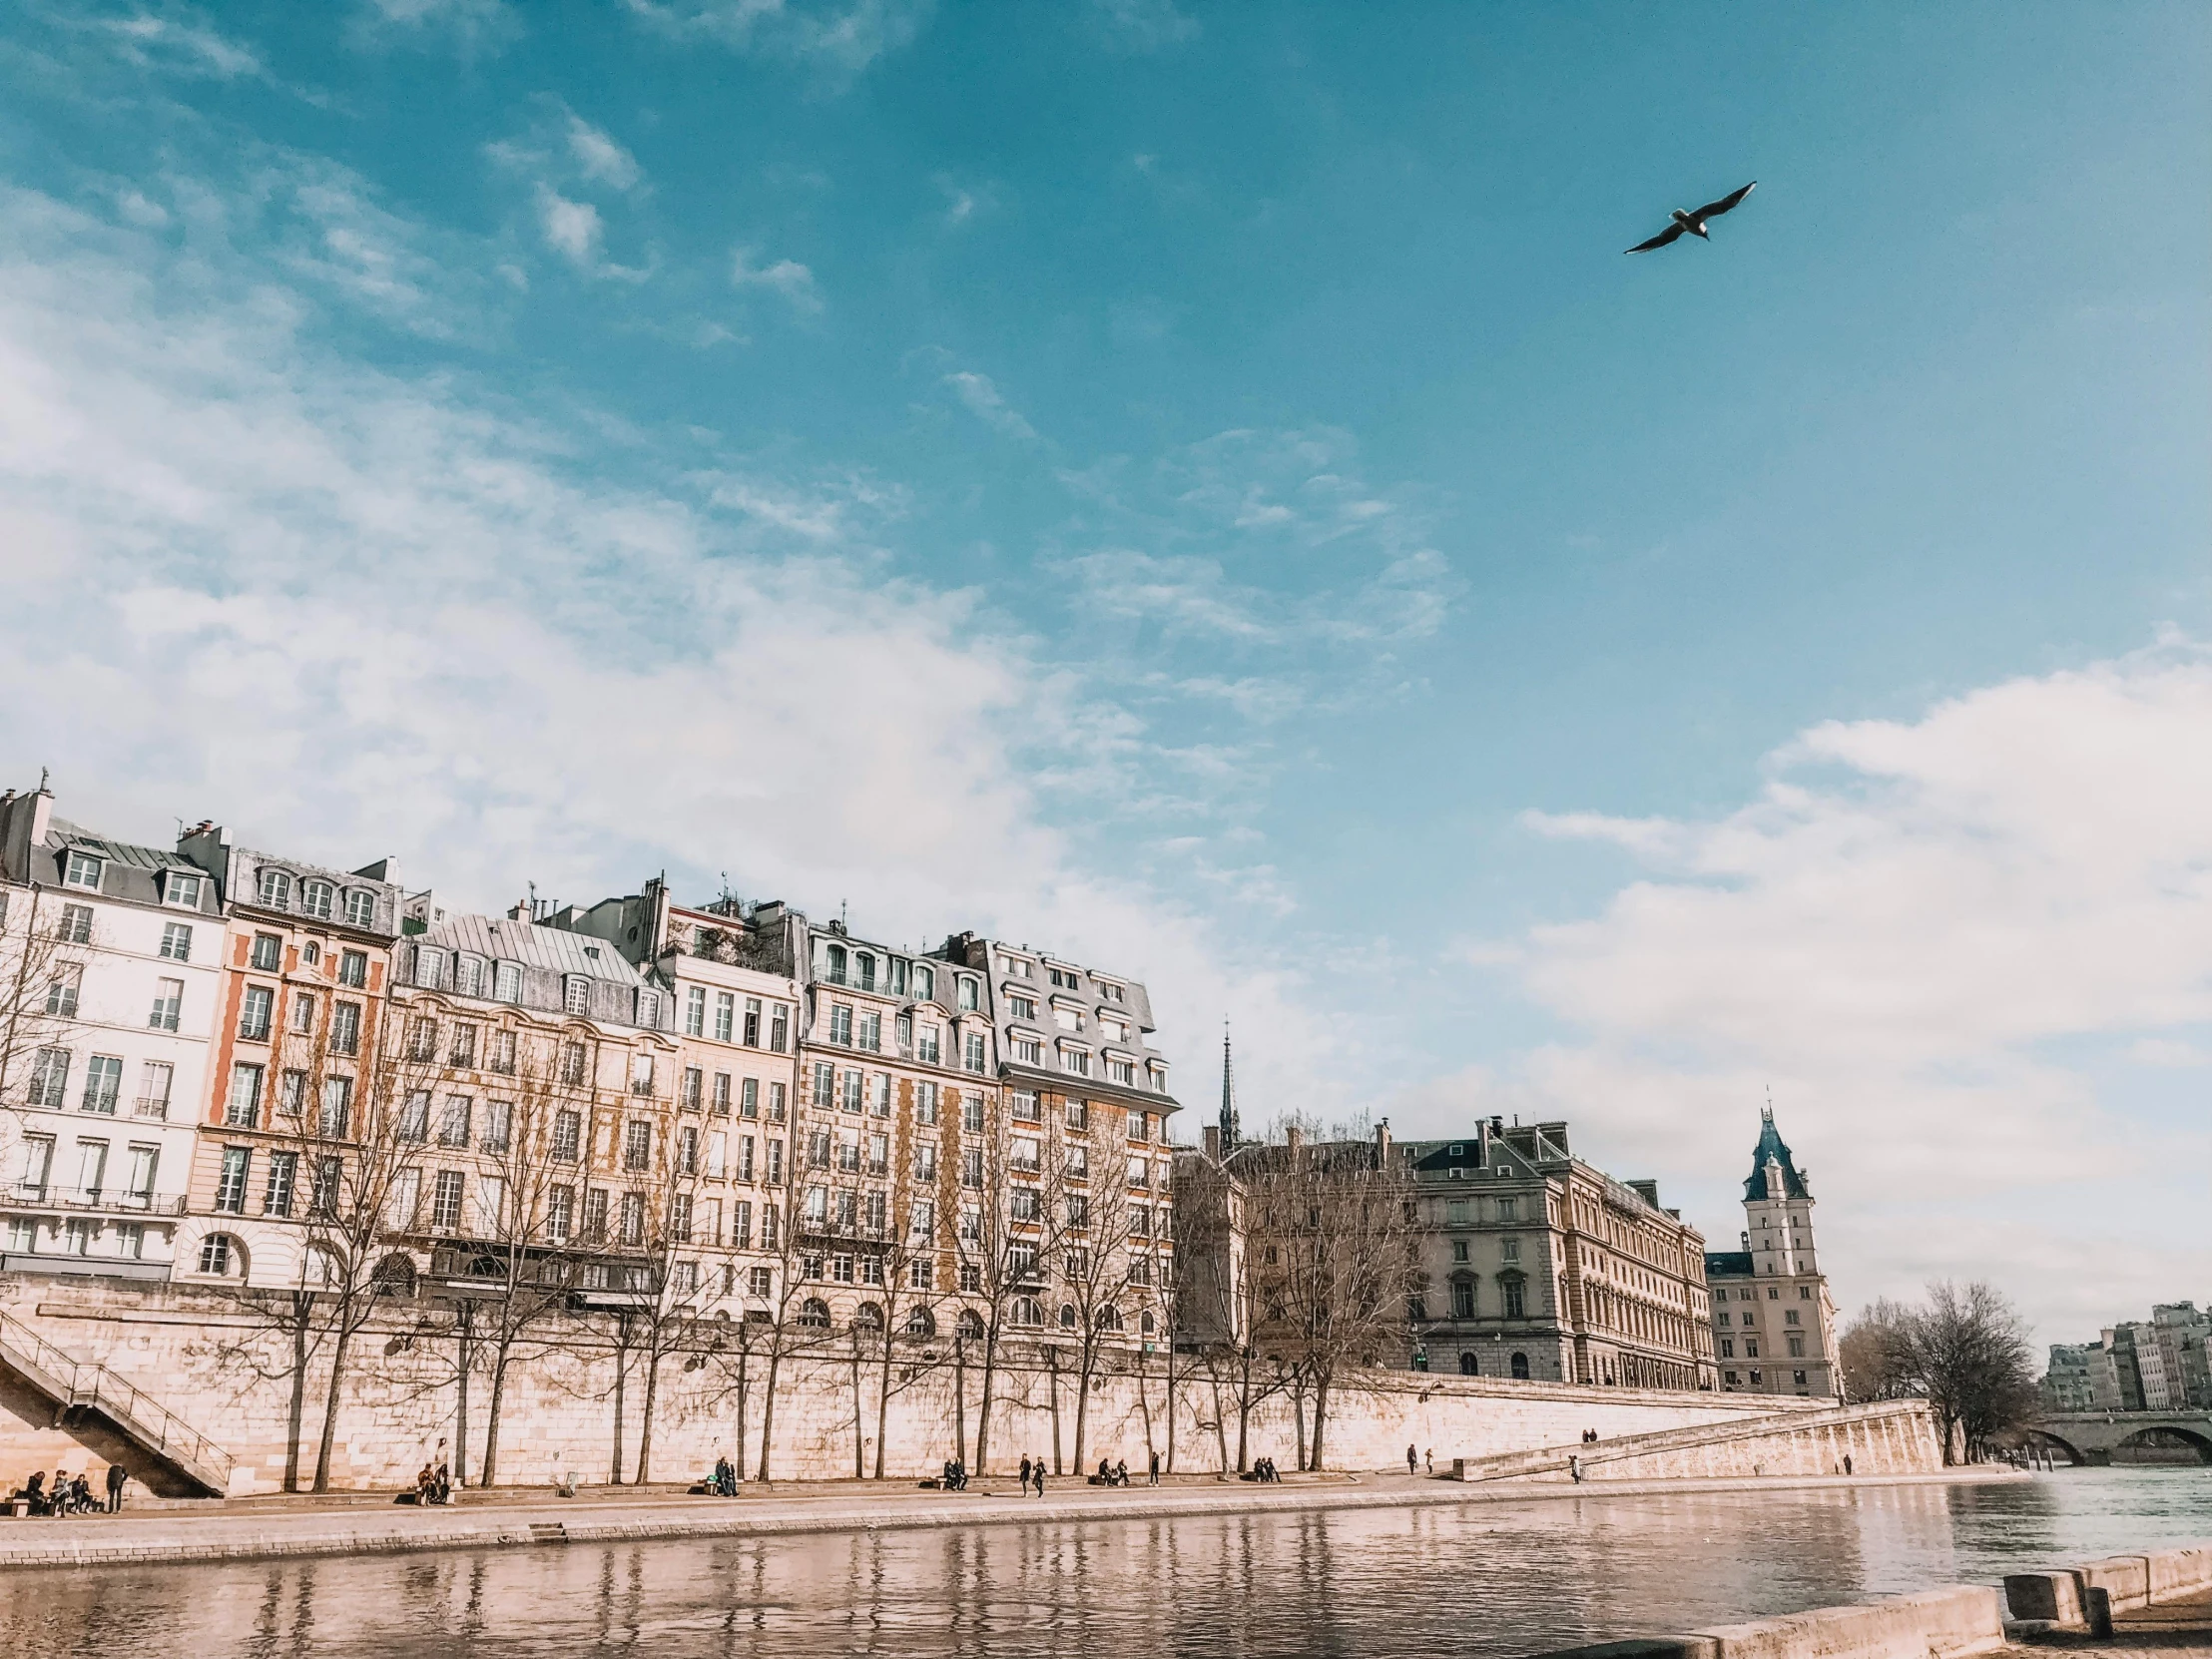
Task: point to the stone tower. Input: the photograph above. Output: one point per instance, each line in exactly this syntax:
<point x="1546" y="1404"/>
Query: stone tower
<point x="1774" y="1326"/>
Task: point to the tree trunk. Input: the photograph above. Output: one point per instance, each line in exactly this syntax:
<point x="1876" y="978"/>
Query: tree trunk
<point x="1320" y="1418"/>
<point x="960" y="1398"/>
<point x="1082" y="1400"/>
<point x="1298" y="1416"/>
<point x="296" y="1408"/>
<point x="622" y="1366"/>
<point x="884" y="1401"/>
<point x="329" y="1440"/>
<point x="1170" y="1403"/>
<point x="860" y="1415"/>
<point x="768" y="1402"/>
<point x="645" y="1415"/>
<point x="1052" y="1394"/>
<point x="1244" y="1411"/>
<point x="983" y="1413"/>
<point x="500" y="1355"/>
<point x="462" y="1344"/>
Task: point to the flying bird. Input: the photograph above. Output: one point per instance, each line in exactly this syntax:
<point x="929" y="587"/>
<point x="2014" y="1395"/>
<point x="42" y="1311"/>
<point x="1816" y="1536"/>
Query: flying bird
<point x="1694" y="223"/>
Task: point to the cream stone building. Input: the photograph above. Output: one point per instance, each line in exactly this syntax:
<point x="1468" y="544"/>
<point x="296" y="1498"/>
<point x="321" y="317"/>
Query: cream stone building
<point x="114" y="955"/>
<point x="1774" y="1325"/>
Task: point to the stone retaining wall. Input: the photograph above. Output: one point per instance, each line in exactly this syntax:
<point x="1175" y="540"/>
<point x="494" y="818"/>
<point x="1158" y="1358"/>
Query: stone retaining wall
<point x="229" y="1378"/>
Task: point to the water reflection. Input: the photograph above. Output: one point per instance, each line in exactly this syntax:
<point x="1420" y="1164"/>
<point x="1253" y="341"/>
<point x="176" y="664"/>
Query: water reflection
<point x="1481" y="1579"/>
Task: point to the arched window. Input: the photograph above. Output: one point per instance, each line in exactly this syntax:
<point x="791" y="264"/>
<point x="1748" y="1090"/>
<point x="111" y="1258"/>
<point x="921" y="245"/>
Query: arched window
<point x="1028" y="1309"/>
<point x="273" y="887"/>
<point x="221" y="1256"/>
<point x="971" y="1325"/>
<point x="834" y="964"/>
<point x="863" y="970"/>
<point x="922" y="1323"/>
<point x="316" y="899"/>
<point x="360" y="907"/>
<point x="925" y="983"/>
<point x="815" y="1312"/>
<point x="1520" y="1367"/>
<point x="867" y="1316"/>
<point x="1146" y="1323"/>
<point x="394" y="1276"/>
<point x="1108" y="1318"/>
<point x="1470" y="1366"/>
<point x="1067" y="1317"/>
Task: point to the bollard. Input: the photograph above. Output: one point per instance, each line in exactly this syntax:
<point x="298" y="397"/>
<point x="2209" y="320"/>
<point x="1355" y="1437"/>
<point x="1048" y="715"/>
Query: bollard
<point x="2096" y="1602"/>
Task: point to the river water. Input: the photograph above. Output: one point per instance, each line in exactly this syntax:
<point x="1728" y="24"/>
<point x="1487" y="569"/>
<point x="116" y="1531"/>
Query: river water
<point x="1479" y="1579"/>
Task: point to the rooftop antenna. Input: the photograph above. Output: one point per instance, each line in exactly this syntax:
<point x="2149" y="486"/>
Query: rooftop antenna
<point x="42" y="776"/>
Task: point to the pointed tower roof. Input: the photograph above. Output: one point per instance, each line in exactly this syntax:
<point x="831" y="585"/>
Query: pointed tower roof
<point x="1772" y="1151"/>
<point x="1230" y="1138"/>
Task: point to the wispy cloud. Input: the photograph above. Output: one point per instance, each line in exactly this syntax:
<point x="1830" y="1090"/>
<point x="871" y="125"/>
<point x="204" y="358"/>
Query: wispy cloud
<point x="837" y="38"/>
<point x="467" y="27"/>
<point x="788" y="278"/>
<point x="1144" y="25"/>
<point x="179" y="40"/>
<point x="984" y="401"/>
<point x="601" y="156"/>
<point x="571" y="229"/>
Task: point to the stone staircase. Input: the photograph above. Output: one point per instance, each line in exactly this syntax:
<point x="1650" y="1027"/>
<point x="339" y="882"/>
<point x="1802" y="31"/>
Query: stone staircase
<point x="1814" y="1440"/>
<point x="73" y="1382"/>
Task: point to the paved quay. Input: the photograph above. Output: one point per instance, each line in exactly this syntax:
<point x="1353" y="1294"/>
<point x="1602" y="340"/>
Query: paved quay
<point x="369" y="1524"/>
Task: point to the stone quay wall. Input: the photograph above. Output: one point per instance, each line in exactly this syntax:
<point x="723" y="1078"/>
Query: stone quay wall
<point x="1886" y="1438"/>
<point x="227" y="1372"/>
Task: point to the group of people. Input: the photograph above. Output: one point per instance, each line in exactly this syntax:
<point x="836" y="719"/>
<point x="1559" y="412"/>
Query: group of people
<point x="955" y="1475"/>
<point x="433" y="1483"/>
<point x="1264" y="1471"/>
<point x="1032" y="1474"/>
<point x="72" y="1494"/>
<point x="1112" y="1473"/>
<point x="724" y="1482"/>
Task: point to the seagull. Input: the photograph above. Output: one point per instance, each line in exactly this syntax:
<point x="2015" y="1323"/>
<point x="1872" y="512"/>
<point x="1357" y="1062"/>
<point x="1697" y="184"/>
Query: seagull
<point x="1694" y="223"/>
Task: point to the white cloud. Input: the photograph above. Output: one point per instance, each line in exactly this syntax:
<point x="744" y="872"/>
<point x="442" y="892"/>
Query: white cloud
<point x="837" y="36"/>
<point x="182" y="44"/>
<point x="1923" y="935"/>
<point x="984" y="400"/>
<point x="354" y="614"/>
<point x="601" y="156"/>
<point x="786" y="277"/>
<point x="571" y="227"/>
<point x="470" y="26"/>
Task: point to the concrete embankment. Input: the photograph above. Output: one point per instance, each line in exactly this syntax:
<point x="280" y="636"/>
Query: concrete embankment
<point x="2074" y="1605"/>
<point x="249" y="1529"/>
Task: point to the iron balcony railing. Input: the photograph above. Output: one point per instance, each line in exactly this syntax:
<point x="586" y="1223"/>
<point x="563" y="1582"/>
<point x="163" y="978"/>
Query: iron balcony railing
<point x="40" y="1195"/>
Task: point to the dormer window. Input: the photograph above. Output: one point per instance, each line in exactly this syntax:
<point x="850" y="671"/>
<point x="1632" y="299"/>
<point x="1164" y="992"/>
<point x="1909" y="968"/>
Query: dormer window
<point x="971" y="998"/>
<point x="360" y="907"/>
<point x="649" y="1010"/>
<point x="576" y="994"/>
<point x="182" y="888"/>
<point x="82" y="869"/>
<point x="1063" y="978"/>
<point x="925" y="983"/>
<point x="864" y="971"/>
<point x="832" y="964"/>
<point x="429" y="967"/>
<point x="469" y="975"/>
<point x="507" y="981"/>
<point x="318" y="899"/>
<point x="273" y="890"/>
<point x="1111" y="992"/>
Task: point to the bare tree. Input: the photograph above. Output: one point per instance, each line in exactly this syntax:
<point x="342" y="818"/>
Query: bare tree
<point x="1095" y="1221"/>
<point x="39" y="963"/>
<point x="1873" y="1353"/>
<point x="1968" y="1352"/>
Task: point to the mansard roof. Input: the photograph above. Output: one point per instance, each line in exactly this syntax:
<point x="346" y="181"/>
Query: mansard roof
<point x="1770" y="1147"/>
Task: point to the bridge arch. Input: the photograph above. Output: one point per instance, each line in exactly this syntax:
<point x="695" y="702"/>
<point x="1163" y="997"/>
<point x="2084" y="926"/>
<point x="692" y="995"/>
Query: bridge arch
<point x="2167" y="1435"/>
<point x="2059" y="1444"/>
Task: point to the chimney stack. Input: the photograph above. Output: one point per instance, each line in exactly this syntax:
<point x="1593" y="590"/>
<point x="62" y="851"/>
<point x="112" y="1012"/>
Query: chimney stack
<point x="1383" y="1140"/>
<point x="1294" y="1136"/>
<point x="1212" y="1139"/>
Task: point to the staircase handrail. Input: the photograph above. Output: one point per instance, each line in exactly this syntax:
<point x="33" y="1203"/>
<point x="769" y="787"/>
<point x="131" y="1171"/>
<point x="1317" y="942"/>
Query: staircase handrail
<point x="90" y="1383"/>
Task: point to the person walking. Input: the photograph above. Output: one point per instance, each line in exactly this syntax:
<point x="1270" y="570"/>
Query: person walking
<point x="1040" y="1476"/>
<point x="1412" y="1463"/>
<point x="117" y="1476"/>
<point x="1153" y="1479"/>
<point x="1026" y="1474"/>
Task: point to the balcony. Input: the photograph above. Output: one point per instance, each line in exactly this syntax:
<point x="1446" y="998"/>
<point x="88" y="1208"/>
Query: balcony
<point x="114" y="1200"/>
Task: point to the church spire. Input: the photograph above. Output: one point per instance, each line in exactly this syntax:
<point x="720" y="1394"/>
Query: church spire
<point x="1229" y="1133"/>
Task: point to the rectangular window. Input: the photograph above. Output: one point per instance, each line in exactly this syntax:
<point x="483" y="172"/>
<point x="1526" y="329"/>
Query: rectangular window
<point x="925" y="1160"/>
<point x="759" y="1282"/>
<point x="640" y="1074"/>
<point x="176" y="941"/>
<point x="575" y="1064"/>
<point x="975" y="1056"/>
<point x="445" y="1201"/>
<point x="856" y="1089"/>
<point x="506" y="981"/>
<point x="335" y="1120"/>
<point x="292" y="1092"/>
<point x="826" y="1085"/>
<point x="283" y="1171"/>
<point x="721" y="1096"/>
<point x="255" y="1014"/>
<point x="230" y="1185"/>
<point x="1024" y="1106"/>
<point x="1516" y="1293"/>
<point x="972" y="1167"/>
<point x="748" y="1098"/>
<point x="243" y="1110"/>
<point x="560" y="1214"/>
<point x="266" y="953"/>
<point x="879" y="1154"/>
<point x="353" y="969"/>
<point x="752" y="1021"/>
<point x="745" y="1157"/>
<point x="463" y="1052"/>
<point x="62" y="990"/>
<point x="180" y="888"/>
<point x="415" y="1117"/>
<point x="360" y="907"/>
<point x="576" y="995"/>
<point x="775" y="1164"/>
<point x="1028" y="1051"/>
<point x="971" y="1113"/>
<point x="679" y="1217"/>
<point x="926" y="1044"/>
<point x="568" y="1134"/>
<point x="779" y="1029"/>
<point x="925" y="1104"/>
<point x="499" y="1126"/>
<point x="1728" y="1348"/>
<point x="103" y="1084"/>
<point x="687" y="1150"/>
<point x="637" y="1145"/>
<point x="717" y="1154"/>
<point x="403" y="1199"/>
<point x="695" y="1088"/>
<point x="595" y="1215"/>
<point x="1797" y="1347"/>
<point x="501" y="1057"/>
<point x="1024" y="1154"/>
<point x="840" y="1025"/>
<point x="871" y="1032"/>
<point x="695" y="1011"/>
<point x="454" y="1121"/>
<point x="156" y="1078"/>
<point x="346" y="1028"/>
<point x="633" y="1219"/>
<point x="81" y="869"/>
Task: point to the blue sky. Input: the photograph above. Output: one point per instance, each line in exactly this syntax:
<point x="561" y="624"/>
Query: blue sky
<point x="1202" y="488"/>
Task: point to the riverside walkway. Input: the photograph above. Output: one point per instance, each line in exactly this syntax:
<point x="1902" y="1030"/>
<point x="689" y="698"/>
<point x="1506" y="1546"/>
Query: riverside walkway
<point x="372" y="1523"/>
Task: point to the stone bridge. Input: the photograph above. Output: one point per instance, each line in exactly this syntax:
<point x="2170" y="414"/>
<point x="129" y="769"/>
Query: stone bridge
<point x="2138" y="1437"/>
